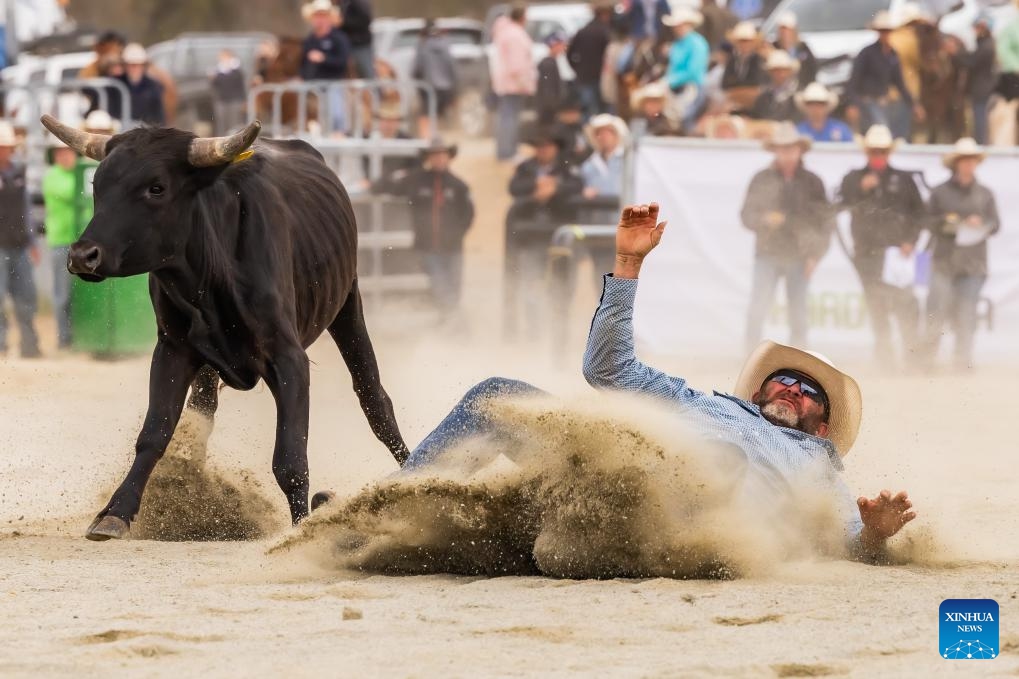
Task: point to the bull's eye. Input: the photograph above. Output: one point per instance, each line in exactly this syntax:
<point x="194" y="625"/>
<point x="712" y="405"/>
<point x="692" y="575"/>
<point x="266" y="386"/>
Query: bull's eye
<point x="156" y="190"/>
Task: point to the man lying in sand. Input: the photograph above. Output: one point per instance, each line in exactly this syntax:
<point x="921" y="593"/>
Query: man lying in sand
<point x="791" y="408"/>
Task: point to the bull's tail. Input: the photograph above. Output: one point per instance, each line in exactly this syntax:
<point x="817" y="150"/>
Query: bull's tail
<point x="349" y="332"/>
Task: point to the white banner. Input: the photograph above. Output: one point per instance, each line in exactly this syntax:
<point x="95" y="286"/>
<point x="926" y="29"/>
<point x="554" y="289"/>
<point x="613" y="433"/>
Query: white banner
<point x="695" y="288"/>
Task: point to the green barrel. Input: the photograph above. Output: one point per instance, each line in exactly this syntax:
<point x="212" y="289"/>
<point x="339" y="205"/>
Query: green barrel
<point x="113" y="318"/>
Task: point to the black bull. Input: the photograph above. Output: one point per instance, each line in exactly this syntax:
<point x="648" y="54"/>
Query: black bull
<point x="250" y="257"/>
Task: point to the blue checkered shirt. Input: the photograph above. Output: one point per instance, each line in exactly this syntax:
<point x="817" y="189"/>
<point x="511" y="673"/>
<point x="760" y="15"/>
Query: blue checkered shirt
<point x="782" y="457"/>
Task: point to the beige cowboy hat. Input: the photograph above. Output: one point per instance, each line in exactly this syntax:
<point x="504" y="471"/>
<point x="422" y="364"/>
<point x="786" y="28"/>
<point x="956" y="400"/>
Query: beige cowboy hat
<point x="606" y="120"/>
<point x="785" y="134"/>
<point x="8" y="138"/>
<point x="816" y="93"/>
<point x="653" y="90"/>
<point x="314" y="7"/>
<point x="744" y="30"/>
<point x="716" y="127"/>
<point x="101" y="122"/>
<point x="135" y="54"/>
<point x="787" y="20"/>
<point x="878" y="137"/>
<point x="883" y="21"/>
<point x="912" y="13"/>
<point x="967" y="147"/>
<point x="780" y="59"/>
<point x="437" y="145"/>
<point x="683" y="15"/>
<point x="845" y="403"/>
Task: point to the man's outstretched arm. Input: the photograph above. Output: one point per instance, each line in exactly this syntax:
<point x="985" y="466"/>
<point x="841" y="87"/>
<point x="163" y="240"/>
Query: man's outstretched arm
<point x="879" y="519"/>
<point x="610" y="361"/>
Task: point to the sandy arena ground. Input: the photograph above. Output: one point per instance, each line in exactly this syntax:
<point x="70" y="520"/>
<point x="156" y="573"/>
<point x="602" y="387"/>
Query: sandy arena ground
<point x="141" y="608"/>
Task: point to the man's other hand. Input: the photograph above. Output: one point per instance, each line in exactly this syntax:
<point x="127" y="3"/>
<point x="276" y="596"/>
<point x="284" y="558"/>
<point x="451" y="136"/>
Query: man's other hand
<point x="638" y="233"/>
<point x="884" y="516"/>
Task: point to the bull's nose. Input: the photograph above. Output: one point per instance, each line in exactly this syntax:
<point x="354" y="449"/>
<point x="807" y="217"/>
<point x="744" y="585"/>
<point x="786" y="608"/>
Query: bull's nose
<point x="84" y="258"/>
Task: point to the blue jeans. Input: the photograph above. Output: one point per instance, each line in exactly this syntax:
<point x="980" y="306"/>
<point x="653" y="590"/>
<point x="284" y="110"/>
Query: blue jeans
<point x="767" y="272"/>
<point x="364" y="61"/>
<point x="953" y="299"/>
<point x="591" y="103"/>
<point x="980" y="130"/>
<point x="337" y="109"/>
<point x="507" y="130"/>
<point x="895" y="115"/>
<point x="467" y="419"/>
<point x="61" y="294"/>
<point x="445" y="273"/>
<point x="16" y="280"/>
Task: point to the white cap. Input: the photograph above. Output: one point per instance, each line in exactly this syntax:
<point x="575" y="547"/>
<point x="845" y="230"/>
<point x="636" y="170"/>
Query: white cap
<point x="787" y="20"/>
<point x="744" y="30"/>
<point x="135" y="54"/>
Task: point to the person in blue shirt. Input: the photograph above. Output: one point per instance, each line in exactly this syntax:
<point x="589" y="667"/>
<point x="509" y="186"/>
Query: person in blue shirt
<point x="791" y="409"/>
<point x="817" y="103"/>
<point x="688" y="64"/>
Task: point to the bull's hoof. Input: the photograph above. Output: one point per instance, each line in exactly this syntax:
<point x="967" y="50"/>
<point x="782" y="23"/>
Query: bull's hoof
<point x="108" y="527"/>
<point x="322" y="497"/>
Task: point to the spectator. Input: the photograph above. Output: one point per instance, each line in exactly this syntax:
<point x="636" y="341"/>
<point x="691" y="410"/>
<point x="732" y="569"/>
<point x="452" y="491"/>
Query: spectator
<point x="60" y="194"/>
<point x="981" y="74"/>
<point x="551" y="88"/>
<point x="514" y="77"/>
<point x="587" y="58"/>
<point x="789" y="41"/>
<point x="17" y="252"/>
<point x="744" y="73"/>
<point x="100" y="122"/>
<point x="545" y="189"/>
<point x="887" y="213"/>
<point x="434" y="65"/>
<point x="777" y="101"/>
<point x="905" y="39"/>
<point x="649" y="62"/>
<point x="688" y="65"/>
<point x="357" y="25"/>
<point x="718" y="21"/>
<point x="603" y="170"/>
<point x="786" y="207"/>
<point x="229" y="93"/>
<point x="569" y="129"/>
<point x="724" y="127"/>
<point x="876" y="91"/>
<point x="646" y="19"/>
<point x="816" y="103"/>
<point x="109" y="49"/>
<point x="650" y="118"/>
<point x="325" y="53"/>
<point x="388" y="125"/>
<point x="146" y="93"/>
<point x="618" y="55"/>
<point x="963" y="215"/>
<point x="1004" y="132"/>
<point x="442" y="212"/>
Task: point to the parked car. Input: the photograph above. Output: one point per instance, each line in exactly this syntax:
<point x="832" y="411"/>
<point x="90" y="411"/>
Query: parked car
<point x="396" y="42"/>
<point x="836" y="30"/>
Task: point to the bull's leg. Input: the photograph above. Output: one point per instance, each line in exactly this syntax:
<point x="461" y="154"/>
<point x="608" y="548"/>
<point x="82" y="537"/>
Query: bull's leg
<point x="171" y="373"/>
<point x="351" y="336"/>
<point x="190" y="440"/>
<point x="205" y="392"/>
<point x="289" y="379"/>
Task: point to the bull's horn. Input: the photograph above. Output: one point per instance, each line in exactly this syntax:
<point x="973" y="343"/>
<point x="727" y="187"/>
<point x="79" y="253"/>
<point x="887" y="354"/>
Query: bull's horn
<point x="211" y="151"/>
<point x="86" y="143"/>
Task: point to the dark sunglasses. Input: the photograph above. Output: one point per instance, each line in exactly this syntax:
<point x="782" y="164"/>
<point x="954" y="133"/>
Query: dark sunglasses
<point x="808" y="387"/>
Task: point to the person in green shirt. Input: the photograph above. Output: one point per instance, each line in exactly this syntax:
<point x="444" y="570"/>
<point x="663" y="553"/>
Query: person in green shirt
<point x="59" y="188"/>
<point x="1008" y="59"/>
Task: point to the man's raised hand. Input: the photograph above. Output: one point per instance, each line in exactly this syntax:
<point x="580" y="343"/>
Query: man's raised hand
<point x="885" y="515"/>
<point x="638" y="233"/>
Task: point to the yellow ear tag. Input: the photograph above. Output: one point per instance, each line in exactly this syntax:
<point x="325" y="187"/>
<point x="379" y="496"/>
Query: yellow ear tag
<point x="244" y="155"/>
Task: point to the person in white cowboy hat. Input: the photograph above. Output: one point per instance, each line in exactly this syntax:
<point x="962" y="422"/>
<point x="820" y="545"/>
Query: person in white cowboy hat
<point x="325" y="55"/>
<point x="876" y="91"/>
<point x="792" y="413"/>
<point x="816" y="102"/>
<point x="963" y="215"/>
<point x="688" y="64"/>
<point x="777" y="100"/>
<point x="888" y="212"/>
<point x="603" y="170"/>
<point x="100" y="122"/>
<point x="60" y="194"/>
<point x="787" y="208"/>
<point x="789" y="41"/>
<point x="650" y="114"/>
<point x="744" y="74"/>
<point x="17" y="251"/>
<point x="146" y="93"/>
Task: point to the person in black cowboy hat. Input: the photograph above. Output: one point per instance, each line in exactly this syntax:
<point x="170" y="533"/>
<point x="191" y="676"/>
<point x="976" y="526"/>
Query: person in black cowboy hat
<point x="441" y="212"/>
<point x="545" y="189"/>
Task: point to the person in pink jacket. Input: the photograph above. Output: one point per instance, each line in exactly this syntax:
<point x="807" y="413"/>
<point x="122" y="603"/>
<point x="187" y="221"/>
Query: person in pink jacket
<point x="514" y="77"/>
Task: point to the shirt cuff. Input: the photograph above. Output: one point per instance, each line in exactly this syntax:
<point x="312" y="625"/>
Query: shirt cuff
<point x="619" y="290"/>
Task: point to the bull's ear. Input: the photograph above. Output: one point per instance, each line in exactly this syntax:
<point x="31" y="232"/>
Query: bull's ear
<point x="212" y="151"/>
<point x="85" y="143"/>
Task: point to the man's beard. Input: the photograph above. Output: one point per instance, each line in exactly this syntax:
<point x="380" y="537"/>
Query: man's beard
<point x="782" y="414"/>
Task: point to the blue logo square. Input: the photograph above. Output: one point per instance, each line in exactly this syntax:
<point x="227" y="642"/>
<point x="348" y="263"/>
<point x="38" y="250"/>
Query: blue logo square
<point x="968" y="629"/>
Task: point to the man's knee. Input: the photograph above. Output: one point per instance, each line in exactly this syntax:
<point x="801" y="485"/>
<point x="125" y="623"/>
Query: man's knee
<point x="498" y="386"/>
